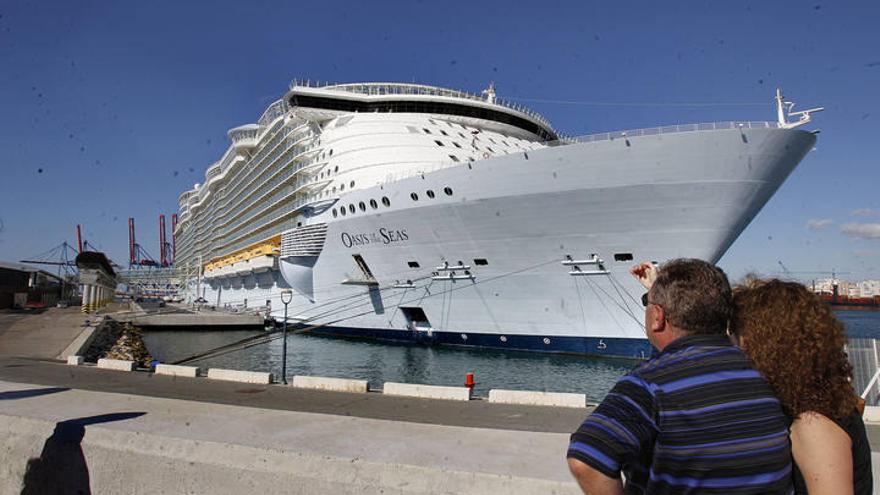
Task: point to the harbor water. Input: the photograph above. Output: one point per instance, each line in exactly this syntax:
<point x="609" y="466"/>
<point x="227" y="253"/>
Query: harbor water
<point x="383" y="362"/>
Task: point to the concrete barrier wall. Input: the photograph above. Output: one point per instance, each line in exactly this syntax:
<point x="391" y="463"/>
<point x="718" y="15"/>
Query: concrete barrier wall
<point x="330" y="384"/>
<point x="115" y="364"/>
<point x="132" y="462"/>
<point x="177" y="370"/>
<point x="426" y="391"/>
<point x="257" y="377"/>
<point x="530" y="398"/>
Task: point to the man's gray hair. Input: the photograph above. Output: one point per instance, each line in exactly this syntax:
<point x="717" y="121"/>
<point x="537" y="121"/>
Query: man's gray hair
<point x="695" y="296"/>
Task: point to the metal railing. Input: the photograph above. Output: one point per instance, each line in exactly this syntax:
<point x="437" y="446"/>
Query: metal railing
<point x="668" y="129"/>
<point x="864" y="355"/>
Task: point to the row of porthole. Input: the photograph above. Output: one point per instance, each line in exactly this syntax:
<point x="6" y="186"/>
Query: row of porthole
<point x="503" y="339"/>
<point x="362" y="206"/>
<point x="385" y="202"/>
<point x="430" y="194"/>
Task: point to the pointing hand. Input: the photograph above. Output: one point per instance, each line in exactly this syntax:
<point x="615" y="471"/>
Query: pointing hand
<point x="646" y="273"/>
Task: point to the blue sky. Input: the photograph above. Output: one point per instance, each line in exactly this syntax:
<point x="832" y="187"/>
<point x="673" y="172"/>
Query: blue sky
<point x="109" y="110"/>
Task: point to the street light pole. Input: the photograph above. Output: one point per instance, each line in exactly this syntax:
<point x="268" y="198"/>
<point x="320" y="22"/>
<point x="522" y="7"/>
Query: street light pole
<point x="286" y="297"/>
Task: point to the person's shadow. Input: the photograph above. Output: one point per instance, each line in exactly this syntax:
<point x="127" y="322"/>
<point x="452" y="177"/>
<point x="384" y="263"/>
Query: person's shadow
<point x="61" y="467"/>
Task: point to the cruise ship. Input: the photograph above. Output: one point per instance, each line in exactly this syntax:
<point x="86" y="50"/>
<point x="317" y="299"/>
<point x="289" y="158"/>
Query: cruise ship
<point x="414" y="213"/>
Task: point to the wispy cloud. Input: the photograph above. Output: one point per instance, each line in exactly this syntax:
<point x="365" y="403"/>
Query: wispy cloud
<point x="818" y="223"/>
<point x="865" y="212"/>
<point x="866" y="253"/>
<point x="861" y="230"/>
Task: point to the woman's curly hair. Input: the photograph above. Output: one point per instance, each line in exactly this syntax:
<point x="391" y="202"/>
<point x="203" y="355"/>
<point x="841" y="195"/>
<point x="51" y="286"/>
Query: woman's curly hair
<point x="797" y="343"/>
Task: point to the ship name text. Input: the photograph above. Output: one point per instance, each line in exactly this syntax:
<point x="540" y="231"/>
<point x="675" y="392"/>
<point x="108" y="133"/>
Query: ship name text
<point x="381" y="236"/>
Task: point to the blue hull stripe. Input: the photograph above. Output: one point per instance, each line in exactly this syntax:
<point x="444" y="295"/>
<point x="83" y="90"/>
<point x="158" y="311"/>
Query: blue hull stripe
<point x="589" y="346"/>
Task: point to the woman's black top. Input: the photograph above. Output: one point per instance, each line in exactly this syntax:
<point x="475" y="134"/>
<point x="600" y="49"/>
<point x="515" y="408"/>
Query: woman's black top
<point x="863" y="481"/>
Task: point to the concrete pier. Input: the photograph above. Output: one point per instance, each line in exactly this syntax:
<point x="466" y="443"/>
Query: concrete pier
<point x="139" y="432"/>
<point x="173" y="316"/>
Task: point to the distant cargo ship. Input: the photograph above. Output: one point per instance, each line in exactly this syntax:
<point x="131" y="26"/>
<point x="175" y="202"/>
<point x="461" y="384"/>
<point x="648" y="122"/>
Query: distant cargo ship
<point x="838" y="301"/>
<point x="423" y="214"/>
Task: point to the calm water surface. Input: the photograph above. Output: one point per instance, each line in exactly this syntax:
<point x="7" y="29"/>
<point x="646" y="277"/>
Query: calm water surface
<point x="382" y="362"/>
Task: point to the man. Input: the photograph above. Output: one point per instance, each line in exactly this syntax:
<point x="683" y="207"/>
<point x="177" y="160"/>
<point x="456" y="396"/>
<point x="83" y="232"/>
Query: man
<point x="696" y="418"/>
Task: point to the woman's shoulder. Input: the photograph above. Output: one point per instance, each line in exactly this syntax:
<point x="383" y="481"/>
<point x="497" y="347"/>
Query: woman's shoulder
<point x="822" y="450"/>
<point x="812" y="426"/>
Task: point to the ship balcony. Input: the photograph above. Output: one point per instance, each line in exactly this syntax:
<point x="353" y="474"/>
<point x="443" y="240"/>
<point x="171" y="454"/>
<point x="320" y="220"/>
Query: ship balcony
<point x="244" y="137"/>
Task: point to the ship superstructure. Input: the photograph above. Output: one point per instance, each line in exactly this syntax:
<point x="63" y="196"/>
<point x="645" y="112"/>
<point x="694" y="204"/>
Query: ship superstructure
<point x="410" y="212"/>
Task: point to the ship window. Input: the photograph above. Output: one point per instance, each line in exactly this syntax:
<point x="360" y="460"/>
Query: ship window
<point x="492" y="140"/>
<point x="431" y="121"/>
<point x="385" y="201"/>
<point x="623" y="257"/>
<point x="342" y="211"/>
<point x="439" y="143"/>
<point x="481" y="261"/>
<point x="430" y="193"/>
<point x="373" y="204"/>
<point x="453" y="158"/>
<point x="362" y="206"/>
<point x="341" y="187"/>
<point x="412" y="129"/>
<point x="351" y="208"/>
<point x="414" y="196"/>
<point x="334" y="189"/>
<point x="426" y="131"/>
<point x="462" y="135"/>
<point x="443" y="132"/>
<point x="413" y="264"/>
<point x="505" y="143"/>
<point x="351" y="185"/>
<point x="336" y="169"/>
<point x="330" y="153"/>
<point x="447" y="190"/>
<point x="490" y="149"/>
<point x="456" y="144"/>
<point x="334" y="213"/>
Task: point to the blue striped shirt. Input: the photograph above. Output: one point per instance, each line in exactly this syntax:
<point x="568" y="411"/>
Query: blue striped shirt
<point x="696" y="418"/>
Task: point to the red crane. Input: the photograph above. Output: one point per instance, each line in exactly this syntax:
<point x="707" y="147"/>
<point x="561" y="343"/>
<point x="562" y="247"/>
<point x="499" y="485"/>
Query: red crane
<point x="132" y="252"/>
<point x="173" y="238"/>
<point x="163" y="255"/>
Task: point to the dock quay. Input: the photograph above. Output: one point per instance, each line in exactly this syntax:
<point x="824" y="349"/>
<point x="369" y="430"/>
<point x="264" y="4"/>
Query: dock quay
<point x="141" y="432"/>
<point x="174" y="316"/>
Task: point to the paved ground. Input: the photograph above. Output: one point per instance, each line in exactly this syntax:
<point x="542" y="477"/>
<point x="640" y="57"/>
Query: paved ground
<point x="41" y="334"/>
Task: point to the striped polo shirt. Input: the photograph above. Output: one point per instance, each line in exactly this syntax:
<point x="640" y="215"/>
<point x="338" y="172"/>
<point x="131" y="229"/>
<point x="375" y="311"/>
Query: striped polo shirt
<point x="697" y="418"/>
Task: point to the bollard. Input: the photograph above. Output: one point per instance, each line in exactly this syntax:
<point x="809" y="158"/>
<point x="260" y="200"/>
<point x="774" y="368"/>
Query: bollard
<point x="469" y="380"/>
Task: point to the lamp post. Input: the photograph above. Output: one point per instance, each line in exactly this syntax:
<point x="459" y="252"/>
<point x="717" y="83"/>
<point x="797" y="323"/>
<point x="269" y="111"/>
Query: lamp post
<point x="286" y="297"/>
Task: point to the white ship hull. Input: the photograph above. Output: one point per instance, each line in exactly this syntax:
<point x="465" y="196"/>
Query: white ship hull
<point x="648" y="197"/>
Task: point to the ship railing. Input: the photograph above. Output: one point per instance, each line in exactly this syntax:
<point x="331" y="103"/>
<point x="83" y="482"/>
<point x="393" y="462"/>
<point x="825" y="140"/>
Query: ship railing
<point x="418" y="89"/>
<point x="668" y="129"/>
<point x="275" y="110"/>
<point x="864" y="356"/>
<point x="269" y="182"/>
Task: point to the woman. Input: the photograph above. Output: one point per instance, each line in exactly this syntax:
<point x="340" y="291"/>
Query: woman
<point x="797" y="343"/>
